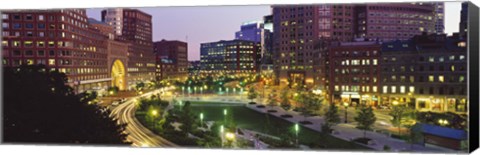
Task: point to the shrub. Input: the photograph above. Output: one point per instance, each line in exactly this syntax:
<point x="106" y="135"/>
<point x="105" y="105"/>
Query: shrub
<point x="386" y="148"/>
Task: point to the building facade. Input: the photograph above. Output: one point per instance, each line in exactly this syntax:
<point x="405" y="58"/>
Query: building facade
<point x="232" y="56"/>
<point x="62" y="40"/>
<point x="176" y="52"/>
<point x="387" y="22"/>
<point x="135" y="27"/>
<point x="302" y="34"/>
<point x="355" y="72"/>
<point x="299" y="35"/>
<point x="427" y="73"/>
<point x="440" y="17"/>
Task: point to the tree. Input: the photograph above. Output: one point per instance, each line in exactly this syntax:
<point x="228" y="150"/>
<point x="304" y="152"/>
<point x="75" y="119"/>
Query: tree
<point x="397" y="113"/>
<point x="285" y="102"/>
<point x="252" y="94"/>
<point x="187" y="118"/>
<point x="331" y="117"/>
<point x="272" y="101"/>
<point x="365" y="118"/>
<point x="40" y="108"/>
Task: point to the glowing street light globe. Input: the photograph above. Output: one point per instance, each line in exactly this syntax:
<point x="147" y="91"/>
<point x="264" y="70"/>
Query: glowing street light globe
<point x="230" y="136"/>
<point x="154" y="112"/>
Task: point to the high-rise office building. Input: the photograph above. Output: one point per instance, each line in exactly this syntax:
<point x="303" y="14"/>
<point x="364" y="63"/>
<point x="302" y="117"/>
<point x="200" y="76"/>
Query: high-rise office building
<point x="232" y="56"/>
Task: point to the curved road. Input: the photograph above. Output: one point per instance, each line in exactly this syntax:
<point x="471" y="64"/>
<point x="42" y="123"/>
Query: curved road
<point x="139" y="135"/>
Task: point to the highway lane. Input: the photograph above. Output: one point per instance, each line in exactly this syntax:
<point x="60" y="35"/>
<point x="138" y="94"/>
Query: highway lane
<point x="139" y="135"/>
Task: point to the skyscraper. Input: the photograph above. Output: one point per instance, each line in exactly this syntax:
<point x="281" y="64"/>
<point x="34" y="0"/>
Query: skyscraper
<point x="135" y="27"/>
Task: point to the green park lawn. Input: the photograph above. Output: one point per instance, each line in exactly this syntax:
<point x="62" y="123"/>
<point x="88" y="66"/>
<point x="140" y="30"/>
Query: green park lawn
<point x="246" y="118"/>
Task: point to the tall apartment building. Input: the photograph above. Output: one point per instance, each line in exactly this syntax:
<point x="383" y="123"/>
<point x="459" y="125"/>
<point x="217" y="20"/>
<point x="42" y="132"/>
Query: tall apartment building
<point x="427" y="73"/>
<point x="60" y="39"/>
<point x="135" y="27"/>
<point x="231" y="56"/>
<point x="354" y="72"/>
<point x="177" y="54"/>
<point x="302" y="33"/>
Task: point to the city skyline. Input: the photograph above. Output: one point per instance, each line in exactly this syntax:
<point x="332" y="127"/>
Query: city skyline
<point x="180" y="18"/>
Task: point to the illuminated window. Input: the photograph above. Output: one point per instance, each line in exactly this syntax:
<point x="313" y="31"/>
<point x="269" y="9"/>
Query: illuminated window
<point x="16" y="43"/>
<point x="411" y="89"/>
<point x="441" y="59"/>
<point x="402" y="89"/>
<point x="29" y="62"/>
<point x="394" y="89"/>
<point x="452" y="57"/>
<point x="385" y="89"/>
<point x="462" y="57"/>
<point x="431" y="78"/>
<point x="374" y="61"/>
<point x="28" y="43"/>
<point x="40" y="44"/>
<point x="374" y="89"/>
<point x="4" y="43"/>
<point x="452" y="68"/>
<point x="462" y="44"/>
<point x="51" y="61"/>
<point x="441" y="78"/>
<point x="431" y="59"/>
<point x="461" y="78"/>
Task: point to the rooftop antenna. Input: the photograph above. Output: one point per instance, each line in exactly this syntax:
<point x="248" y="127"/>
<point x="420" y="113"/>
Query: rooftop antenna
<point x="186" y="38"/>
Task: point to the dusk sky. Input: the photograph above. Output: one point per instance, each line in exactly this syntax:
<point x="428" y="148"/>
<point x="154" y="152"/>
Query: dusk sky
<point x="210" y="24"/>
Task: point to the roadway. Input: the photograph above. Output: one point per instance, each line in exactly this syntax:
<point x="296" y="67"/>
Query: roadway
<point x="139" y="135"/>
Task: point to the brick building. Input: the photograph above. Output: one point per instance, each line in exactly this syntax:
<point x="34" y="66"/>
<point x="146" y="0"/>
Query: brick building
<point x="176" y="52"/>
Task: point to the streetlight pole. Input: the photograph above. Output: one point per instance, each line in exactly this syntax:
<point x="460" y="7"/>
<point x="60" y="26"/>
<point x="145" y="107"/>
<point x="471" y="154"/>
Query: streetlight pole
<point x="296" y="133"/>
<point x="346" y="109"/>
<point x="225" y="116"/>
<point x="201" y="119"/>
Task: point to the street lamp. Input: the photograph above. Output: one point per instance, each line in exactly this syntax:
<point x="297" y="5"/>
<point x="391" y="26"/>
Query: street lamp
<point x="443" y="122"/>
<point x="201" y="119"/>
<point x="154" y="114"/>
<point x="296" y="133"/>
<point x="346" y="108"/>
<point x="224" y="116"/>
